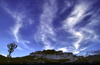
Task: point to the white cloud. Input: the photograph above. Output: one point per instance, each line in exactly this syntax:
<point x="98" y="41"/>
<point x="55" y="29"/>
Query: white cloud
<point x="75" y="17"/>
<point x="19" y="48"/>
<point x="18" y="18"/>
<point x="18" y="24"/>
<point x="82" y="49"/>
<point x="46" y="42"/>
<point x="45" y="29"/>
<point x="64" y="49"/>
<point x="16" y="28"/>
<point x="80" y="36"/>
<point x="67" y="4"/>
<point x="75" y="52"/>
<point x="24" y="43"/>
<point x="84" y="33"/>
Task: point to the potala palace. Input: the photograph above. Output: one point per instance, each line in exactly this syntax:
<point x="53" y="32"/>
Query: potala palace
<point x="52" y="54"/>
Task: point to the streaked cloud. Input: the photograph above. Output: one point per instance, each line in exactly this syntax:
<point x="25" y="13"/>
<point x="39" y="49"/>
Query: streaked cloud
<point x="75" y="17"/>
<point x="16" y="28"/>
<point x="45" y="30"/>
<point x="82" y="49"/>
<point x="64" y="49"/>
<point x="19" y="48"/>
<point x="18" y="24"/>
<point x="67" y="25"/>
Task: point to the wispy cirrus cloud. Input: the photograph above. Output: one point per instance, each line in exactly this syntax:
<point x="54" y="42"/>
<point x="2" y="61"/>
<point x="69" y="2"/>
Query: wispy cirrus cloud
<point x="67" y="4"/>
<point x="19" y="48"/>
<point x="16" y="28"/>
<point x="18" y="24"/>
<point x="83" y="34"/>
<point x="75" y="17"/>
<point x="70" y="26"/>
<point x="45" y="29"/>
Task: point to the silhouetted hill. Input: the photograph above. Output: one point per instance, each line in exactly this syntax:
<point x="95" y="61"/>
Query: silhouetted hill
<point x="3" y="59"/>
<point x="40" y="60"/>
<point x="1" y="56"/>
<point x="94" y="58"/>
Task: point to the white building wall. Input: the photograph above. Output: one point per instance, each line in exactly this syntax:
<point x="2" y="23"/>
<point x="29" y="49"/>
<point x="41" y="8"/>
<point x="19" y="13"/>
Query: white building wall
<point x="54" y="56"/>
<point x="36" y="55"/>
<point x="70" y="56"/>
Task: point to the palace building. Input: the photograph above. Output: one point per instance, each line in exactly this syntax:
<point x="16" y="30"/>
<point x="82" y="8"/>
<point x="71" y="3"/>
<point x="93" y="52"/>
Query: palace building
<point x="52" y="54"/>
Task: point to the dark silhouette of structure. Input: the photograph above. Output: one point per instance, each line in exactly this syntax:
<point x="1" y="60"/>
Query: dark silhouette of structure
<point x="52" y="54"/>
<point x="11" y="47"/>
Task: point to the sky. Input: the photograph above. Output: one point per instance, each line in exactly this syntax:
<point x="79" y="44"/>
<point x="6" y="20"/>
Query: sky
<point x="35" y="25"/>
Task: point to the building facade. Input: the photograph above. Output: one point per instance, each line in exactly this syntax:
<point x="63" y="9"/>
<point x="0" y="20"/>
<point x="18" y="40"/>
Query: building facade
<point x="52" y="54"/>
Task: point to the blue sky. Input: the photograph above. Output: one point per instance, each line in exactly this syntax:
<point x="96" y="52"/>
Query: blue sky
<point x="68" y="25"/>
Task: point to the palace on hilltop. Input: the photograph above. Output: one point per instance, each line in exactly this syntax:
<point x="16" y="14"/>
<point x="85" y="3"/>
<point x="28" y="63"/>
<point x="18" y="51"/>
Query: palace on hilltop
<point x="52" y="54"/>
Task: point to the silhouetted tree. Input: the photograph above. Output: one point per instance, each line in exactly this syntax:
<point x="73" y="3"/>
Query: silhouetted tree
<point x="11" y="47"/>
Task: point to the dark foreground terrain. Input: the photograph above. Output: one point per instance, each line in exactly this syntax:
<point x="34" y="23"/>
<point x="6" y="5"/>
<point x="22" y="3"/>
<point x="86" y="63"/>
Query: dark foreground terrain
<point x="32" y="60"/>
